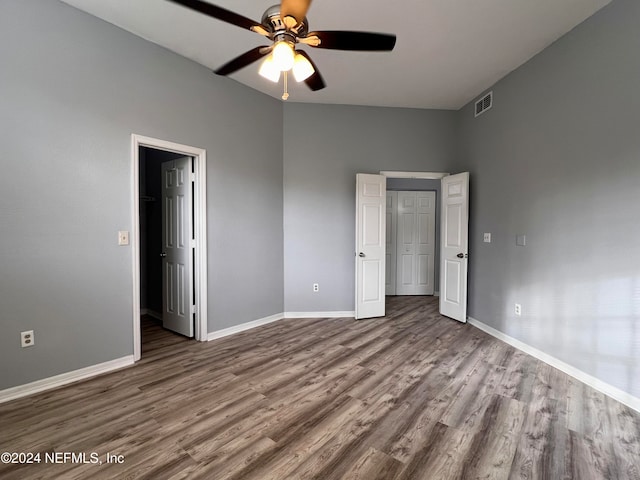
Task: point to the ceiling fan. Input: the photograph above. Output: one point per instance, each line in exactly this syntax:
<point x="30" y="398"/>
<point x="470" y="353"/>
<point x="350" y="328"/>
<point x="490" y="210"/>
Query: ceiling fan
<point x="286" y="26"/>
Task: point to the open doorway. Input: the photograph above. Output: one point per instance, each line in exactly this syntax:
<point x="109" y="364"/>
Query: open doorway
<point x="412" y="258"/>
<point x="169" y="239"/>
<point x="372" y="230"/>
<point x="165" y="299"/>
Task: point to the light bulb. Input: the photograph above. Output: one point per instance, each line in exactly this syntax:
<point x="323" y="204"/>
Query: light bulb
<point x="302" y="68"/>
<point x="269" y="70"/>
<point x="283" y="56"/>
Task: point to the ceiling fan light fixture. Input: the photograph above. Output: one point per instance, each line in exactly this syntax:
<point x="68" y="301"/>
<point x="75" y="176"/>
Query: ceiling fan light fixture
<point x="286" y="25"/>
<point x="283" y="55"/>
<point x="269" y="70"/>
<point x="302" y="68"/>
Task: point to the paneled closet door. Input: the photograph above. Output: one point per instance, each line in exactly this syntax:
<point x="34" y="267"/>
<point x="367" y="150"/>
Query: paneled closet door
<point x="415" y="250"/>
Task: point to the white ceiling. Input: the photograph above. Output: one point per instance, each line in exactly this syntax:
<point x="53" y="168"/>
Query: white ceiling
<point x="447" y="52"/>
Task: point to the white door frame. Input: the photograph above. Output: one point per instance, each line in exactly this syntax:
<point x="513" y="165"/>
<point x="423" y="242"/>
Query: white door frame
<point x="418" y="175"/>
<point x="200" y="231"/>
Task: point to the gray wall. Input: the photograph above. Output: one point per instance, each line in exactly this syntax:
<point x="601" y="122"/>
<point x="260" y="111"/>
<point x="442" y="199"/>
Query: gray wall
<point x="558" y="158"/>
<point x="419" y="185"/>
<point x="324" y="147"/>
<point x="74" y="89"/>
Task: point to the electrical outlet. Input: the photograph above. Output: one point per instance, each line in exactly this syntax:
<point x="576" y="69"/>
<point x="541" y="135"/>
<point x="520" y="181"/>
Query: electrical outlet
<point x="123" y="237"/>
<point x="518" y="309"/>
<point x="487" y="238"/>
<point x="27" y="339"/>
<point x="316" y="287"/>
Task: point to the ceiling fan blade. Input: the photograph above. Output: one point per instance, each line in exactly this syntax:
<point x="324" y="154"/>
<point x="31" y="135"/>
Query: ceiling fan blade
<point x="315" y="82"/>
<point x="346" y="40"/>
<point x="220" y="13"/>
<point x="294" y="8"/>
<point x="243" y="60"/>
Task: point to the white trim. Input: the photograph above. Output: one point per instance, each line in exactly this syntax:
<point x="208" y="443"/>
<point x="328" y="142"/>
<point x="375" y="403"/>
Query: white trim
<point x="64" y="379"/>
<point x="200" y="231"/>
<point x="135" y="242"/>
<point x="595" y="383"/>
<point x="274" y="318"/>
<point x="421" y="175"/>
<point x="244" y="326"/>
<point x="151" y="313"/>
<point x="346" y="314"/>
<point x="436" y="293"/>
<point x="200" y="234"/>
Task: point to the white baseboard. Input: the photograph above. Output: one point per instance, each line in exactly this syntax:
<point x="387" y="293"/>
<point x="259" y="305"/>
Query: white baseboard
<point x="274" y="318"/>
<point x="64" y="379"/>
<point x="151" y="313"/>
<point x="319" y="314"/>
<point x="595" y="383"/>
<point x="244" y="326"/>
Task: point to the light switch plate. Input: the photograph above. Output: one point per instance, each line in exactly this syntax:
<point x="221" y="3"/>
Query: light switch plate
<point x="521" y="240"/>
<point x="487" y="238"/>
<point x="123" y="237"/>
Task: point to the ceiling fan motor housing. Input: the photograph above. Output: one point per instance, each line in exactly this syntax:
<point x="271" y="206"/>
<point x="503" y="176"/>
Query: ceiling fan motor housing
<point x="274" y="23"/>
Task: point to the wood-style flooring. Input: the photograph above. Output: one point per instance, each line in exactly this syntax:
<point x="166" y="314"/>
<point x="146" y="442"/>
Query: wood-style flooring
<point x="412" y="395"/>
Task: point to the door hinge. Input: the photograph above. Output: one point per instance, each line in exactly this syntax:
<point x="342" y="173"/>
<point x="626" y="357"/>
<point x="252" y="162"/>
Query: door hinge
<point x="192" y="177"/>
<point x="193" y="309"/>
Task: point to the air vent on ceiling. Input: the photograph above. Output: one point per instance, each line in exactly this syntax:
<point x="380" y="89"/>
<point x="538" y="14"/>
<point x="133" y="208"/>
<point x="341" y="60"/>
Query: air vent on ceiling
<point x="484" y="104"/>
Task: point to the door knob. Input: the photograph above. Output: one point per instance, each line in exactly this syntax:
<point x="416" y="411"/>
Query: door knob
<point x="163" y="254"/>
<point x="361" y="254"/>
<point x="460" y="255"/>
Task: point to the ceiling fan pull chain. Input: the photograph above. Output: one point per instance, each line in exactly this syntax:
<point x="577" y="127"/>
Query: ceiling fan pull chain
<point x="285" y="95"/>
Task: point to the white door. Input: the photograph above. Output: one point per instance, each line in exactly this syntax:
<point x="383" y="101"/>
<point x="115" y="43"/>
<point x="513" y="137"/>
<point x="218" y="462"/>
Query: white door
<point x="454" y="246"/>
<point x="177" y="242"/>
<point x="390" y="248"/>
<point x="416" y="243"/>
<point x="370" y="245"/>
